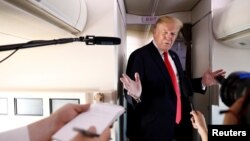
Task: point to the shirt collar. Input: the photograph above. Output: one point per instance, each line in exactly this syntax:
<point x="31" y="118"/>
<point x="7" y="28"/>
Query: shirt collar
<point x="160" y="51"/>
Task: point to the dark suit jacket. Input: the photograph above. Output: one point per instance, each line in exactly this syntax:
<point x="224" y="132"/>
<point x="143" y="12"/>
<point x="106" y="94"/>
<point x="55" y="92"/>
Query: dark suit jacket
<point x="154" y="118"/>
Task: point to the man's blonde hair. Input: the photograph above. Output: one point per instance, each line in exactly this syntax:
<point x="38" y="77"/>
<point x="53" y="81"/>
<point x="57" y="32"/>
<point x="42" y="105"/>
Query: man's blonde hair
<point x="169" y="19"/>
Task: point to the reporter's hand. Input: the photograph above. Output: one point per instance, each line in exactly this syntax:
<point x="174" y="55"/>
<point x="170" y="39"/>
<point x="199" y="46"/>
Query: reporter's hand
<point x="198" y="120"/>
<point x="65" y="114"/>
<point x="199" y="123"/>
<point x="105" y="136"/>
<point x="54" y="122"/>
<point x="232" y="117"/>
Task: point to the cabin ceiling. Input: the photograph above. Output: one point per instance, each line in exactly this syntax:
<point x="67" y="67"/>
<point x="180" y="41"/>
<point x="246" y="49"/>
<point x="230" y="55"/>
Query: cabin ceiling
<point x="158" y="7"/>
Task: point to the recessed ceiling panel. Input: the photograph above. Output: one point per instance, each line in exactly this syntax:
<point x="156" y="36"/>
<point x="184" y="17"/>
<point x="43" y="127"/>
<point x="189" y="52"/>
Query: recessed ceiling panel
<point x="158" y="7"/>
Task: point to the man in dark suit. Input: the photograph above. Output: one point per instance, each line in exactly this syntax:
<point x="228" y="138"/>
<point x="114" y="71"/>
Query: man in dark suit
<point x="151" y="96"/>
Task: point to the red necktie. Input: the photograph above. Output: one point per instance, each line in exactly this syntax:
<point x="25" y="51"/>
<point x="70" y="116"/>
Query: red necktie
<point x="176" y="87"/>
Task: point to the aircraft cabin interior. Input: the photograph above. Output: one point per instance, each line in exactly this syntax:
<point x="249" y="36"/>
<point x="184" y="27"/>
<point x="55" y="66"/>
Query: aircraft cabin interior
<point x="78" y="65"/>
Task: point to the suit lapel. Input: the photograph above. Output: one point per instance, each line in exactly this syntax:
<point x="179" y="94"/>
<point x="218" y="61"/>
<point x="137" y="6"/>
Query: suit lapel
<point x="157" y="58"/>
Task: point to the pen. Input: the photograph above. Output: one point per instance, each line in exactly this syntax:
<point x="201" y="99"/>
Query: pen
<point x="86" y="132"/>
<point x="224" y="111"/>
<point x="230" y="111"/>
<point x="191" y="103"/>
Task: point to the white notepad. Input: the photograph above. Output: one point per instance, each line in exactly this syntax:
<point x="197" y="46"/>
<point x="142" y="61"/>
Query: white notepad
<point x="100" y="115"/>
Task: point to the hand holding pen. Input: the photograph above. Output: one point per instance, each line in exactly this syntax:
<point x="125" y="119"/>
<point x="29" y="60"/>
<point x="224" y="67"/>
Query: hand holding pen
<point x="233" y="115"/>
<point x="90" y="135"/>
<point x="199" y="123"/>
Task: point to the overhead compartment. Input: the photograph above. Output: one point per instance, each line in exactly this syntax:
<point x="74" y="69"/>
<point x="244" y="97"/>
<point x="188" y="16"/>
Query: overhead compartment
<point x="70" y="15"/>
<point x="231" y="24"/>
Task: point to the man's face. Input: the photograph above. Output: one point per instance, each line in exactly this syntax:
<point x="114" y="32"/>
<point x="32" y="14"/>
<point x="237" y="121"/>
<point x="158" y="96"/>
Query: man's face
<point x="165" y="34"/>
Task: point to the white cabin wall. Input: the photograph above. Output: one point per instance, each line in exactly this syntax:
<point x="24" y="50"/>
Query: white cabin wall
<point x="75" y="57"/>
<point x="229" y="58"/>
<point x="72" y="70"/>
<point x="207" y="52"/>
